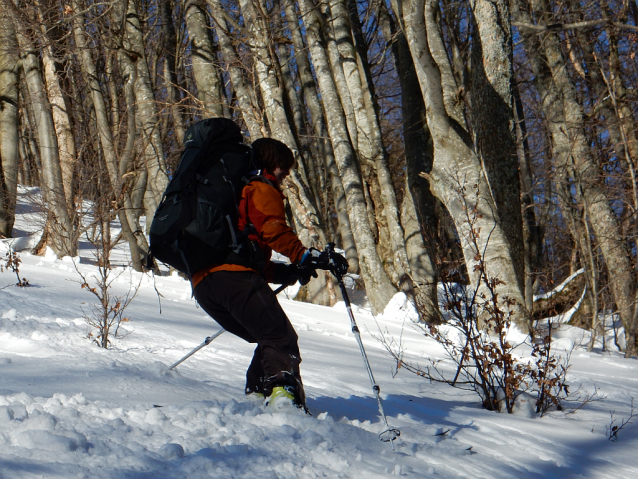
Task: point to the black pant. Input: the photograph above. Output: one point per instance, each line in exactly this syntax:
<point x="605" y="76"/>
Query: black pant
<point x="243" y="304"/>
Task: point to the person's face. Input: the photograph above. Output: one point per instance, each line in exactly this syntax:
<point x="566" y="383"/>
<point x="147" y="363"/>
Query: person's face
<point x="280" y="174"/>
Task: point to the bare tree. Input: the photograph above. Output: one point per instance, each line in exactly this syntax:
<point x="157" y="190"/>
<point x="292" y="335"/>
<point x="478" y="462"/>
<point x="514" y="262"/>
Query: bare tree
<point x="379" y="288"/>
<point x="457" y="174"/>
<point x="203" y="58"/>
<point x="59" y="224"/>
<point x="9" y="152"/>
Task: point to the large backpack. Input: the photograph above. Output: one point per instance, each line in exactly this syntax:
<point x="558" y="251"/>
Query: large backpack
<point x="195" y="224"/>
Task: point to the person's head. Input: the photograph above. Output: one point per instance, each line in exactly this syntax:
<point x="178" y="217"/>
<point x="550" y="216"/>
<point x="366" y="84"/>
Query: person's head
<point x="276" y="158"/>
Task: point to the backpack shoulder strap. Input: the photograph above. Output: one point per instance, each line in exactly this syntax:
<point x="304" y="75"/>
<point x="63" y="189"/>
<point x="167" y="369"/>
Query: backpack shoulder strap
<point x="261" y="179"/>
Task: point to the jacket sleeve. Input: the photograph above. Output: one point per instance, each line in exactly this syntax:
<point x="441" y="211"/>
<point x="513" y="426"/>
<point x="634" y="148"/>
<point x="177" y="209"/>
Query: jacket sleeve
<point x="267" y="214"/>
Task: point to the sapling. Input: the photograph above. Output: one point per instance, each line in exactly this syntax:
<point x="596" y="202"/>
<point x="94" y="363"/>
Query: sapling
<point x="12" y="262"/>
<point x="108" y="314"/>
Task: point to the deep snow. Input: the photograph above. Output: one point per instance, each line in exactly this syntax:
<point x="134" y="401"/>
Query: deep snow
<point x="69" y="409"/>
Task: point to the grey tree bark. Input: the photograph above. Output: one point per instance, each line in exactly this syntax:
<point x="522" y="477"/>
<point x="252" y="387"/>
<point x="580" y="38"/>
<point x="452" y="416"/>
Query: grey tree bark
<point x="170" y="74"/>
<point x="203" y="59"/>
<point x="457" y="177"/>
<point x="493" y="120"/>
<point x="418" y="215"/>
<point x="58" y="101"/>
<point x="60" y="225"/>
<point x="247" y="103"/>
<point x="317" y="118"/>
<point x="134" y="52"/>
<point x="371" y="130"/>
<point x="573" y="157"/>
<point x="378" y="286"/>
<point x="9" y="147"/>
<point x="104" y="130"/>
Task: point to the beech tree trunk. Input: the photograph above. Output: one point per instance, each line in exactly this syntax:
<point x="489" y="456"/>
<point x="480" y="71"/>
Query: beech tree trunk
<point x="457" y="177"/>
<point x="247" y="104"/>
<point x="417" y="210"/>
<point x="173" y="94"/>
<point x="146" y="109"/>
<point x="204" y="59"/>
<point x="372" y="130"/>
<point x="104" y="130"/>
<point x="59" y="226"/>
<point x="9" y="147"/>
<point x="58" y="101"/>
<point x="378" y="286"/>
<point x="493" y="120"/>
<point x="573" y="157"/>
<point x="324" y="147"/>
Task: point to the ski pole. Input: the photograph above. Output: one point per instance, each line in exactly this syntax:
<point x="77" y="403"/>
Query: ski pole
<point x="210" y="339"/>
<point x="389" y="434"/>
<point x="206" y="342"/>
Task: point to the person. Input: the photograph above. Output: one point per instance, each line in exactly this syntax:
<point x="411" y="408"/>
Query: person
<point x="237" y="295"/>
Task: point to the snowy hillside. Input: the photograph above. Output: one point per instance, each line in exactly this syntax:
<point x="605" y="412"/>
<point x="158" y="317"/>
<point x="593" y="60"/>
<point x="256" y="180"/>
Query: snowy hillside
<point x="69" y="409"/>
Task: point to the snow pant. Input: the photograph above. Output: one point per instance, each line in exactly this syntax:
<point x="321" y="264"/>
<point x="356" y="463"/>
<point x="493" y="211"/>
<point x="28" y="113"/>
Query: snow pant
<point x="244" y="305"/>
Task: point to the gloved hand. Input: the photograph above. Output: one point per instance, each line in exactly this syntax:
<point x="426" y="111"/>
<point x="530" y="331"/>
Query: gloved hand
<point x="337" y="263"/>
<point x="329" y="259"/>
<point x="303" y="275"/>
<point x="289" y="274"/>
<point x="314" y="259"/>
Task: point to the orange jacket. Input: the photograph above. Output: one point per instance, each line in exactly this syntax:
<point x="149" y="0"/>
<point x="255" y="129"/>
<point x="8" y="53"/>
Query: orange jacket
<point x="262" y="205"/>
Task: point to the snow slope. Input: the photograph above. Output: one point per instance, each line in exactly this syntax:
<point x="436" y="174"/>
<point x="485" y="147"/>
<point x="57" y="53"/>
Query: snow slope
<point x="71" y="410"/>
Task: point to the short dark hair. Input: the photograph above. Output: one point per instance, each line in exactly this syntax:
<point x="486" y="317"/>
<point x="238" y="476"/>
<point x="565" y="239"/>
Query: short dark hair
<point x="273" y="153"/>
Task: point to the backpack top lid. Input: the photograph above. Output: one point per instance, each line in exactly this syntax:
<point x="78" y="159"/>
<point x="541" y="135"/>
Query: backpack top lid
<point x="198" y="140"/>
<point x="219" y="130"/>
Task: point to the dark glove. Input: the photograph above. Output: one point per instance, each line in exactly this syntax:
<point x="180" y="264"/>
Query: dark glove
<point x="337" y="263"/>
<point x="289" y="274"/>
<point x="314" y="259"/>
<point x="304" y="275"/>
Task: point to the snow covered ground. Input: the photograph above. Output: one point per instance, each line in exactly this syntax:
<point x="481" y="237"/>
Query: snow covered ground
<point x="69" y="409"/>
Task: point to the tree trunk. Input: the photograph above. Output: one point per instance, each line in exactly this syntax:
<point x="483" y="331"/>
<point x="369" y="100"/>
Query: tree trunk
<point x="267" y="77"/>
<point x="564" y="117"/>
<point x="532" y="233"/>
<point x="325" y="149"/>
<point x="248" y="107"/>
<point x="170" y="74"/>
<point x="457" y="178"/>
<point x="9" y="152"/>
<point x="378" y="286"/>
<point x="324" y="16"/>
<point x="61" y="226"/>
<point x="418" y="209"/>
<point x="105" y="135"/>
<point x="204" y="59"/>
<point x="59" y="107"/>
<point x="493" y="120"/>
<point x="146" y="109"/>
<point x="372" y="130"/>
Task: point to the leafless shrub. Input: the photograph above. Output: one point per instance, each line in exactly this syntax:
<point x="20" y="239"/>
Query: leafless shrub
<point x="581" y="399"/>
<point x="107" y="314"/>
<point x="12" y="262"/>
<point x="614" y="427"/>
<point x="476" y="339"/>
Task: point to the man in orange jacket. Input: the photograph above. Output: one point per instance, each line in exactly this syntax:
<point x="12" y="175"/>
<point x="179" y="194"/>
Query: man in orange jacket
<point x="236" y="294"/>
